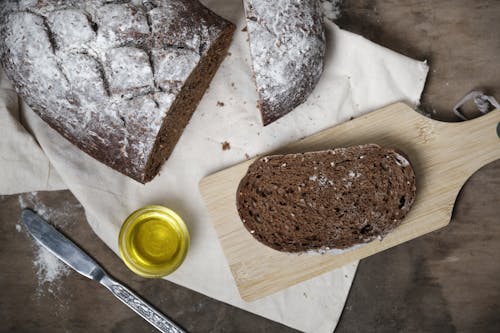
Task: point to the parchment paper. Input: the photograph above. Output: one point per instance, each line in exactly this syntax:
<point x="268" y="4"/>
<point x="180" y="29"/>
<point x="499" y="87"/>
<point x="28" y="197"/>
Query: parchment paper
<point x="359" y="76"/>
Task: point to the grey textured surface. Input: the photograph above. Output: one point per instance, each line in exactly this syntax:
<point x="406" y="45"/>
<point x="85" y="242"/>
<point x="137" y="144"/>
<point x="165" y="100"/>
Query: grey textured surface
<point x="447" y="281"/>
<point x="459" y="39"/>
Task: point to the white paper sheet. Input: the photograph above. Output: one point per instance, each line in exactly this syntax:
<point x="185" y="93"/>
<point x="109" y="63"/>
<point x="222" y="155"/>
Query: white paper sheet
<point x="23" y="165"/>
<point x="359" y="76"/>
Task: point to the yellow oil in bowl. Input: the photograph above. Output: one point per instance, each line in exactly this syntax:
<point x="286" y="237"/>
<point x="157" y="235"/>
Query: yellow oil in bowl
<point x="153" y="241"/>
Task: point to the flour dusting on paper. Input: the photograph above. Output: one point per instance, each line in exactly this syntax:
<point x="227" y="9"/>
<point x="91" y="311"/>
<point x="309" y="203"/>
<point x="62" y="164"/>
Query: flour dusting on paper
<point x="331" y="8"/>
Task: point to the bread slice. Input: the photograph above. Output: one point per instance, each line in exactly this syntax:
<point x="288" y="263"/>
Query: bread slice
<point x="324" y="200"/>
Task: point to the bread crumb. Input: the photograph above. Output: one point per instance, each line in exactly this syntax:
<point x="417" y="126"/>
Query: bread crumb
<point x="226" y="145"/>
<point x="244" y="29"/>
<point x="229" y="54"/>
<point x="247" y="156"/>
<point x="219" y="103"/>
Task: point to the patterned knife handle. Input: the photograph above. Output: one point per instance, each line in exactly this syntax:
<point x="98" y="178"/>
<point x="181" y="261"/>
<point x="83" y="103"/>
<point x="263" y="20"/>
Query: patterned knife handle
<point x="146" y="311"/>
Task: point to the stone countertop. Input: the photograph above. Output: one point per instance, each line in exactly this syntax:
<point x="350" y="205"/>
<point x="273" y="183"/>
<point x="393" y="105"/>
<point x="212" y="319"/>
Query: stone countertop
<point x="445" y="281"/>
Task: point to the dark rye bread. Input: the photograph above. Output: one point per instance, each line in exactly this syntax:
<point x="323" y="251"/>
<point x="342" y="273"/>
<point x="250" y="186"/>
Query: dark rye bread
<point x="325" y="200"/>
<point x="287" y="46"/>
<point x="119" y="79"/>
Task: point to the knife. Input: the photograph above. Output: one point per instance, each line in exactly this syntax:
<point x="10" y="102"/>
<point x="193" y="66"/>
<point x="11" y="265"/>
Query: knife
<point x="76" y="258"/>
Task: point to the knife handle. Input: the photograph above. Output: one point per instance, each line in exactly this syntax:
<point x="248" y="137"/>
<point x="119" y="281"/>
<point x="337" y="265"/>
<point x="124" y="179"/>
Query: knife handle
<point x="145" y="310"/>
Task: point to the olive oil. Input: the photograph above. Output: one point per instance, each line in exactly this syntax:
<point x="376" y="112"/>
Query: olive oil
<point x="153" y="241"/>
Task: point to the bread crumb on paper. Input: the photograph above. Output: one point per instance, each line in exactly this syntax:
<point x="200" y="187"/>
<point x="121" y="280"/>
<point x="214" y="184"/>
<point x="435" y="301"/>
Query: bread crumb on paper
<point x="226" y="145"/>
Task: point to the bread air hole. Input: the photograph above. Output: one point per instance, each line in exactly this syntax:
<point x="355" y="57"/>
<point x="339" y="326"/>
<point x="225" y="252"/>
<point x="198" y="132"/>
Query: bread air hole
<point x="402" y="202"/>
<point x="366" y="229"/>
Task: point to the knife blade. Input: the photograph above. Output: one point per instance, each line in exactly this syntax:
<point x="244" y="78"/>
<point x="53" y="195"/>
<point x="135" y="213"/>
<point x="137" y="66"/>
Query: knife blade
<point x="77" y="259"/>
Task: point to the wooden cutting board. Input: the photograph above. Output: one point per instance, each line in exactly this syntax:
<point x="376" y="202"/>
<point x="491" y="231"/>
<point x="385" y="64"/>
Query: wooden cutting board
<point x="444" y="156"/>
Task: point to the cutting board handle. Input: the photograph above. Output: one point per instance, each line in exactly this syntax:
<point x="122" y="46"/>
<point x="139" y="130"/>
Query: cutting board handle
<point x="474" y="143"/>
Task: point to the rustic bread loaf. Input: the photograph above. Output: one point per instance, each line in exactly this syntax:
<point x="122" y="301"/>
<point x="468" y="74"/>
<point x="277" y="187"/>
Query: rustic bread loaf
<point x="325" y="200"/>
<point x="287" y="46"/>
<point x="119" y="79"/>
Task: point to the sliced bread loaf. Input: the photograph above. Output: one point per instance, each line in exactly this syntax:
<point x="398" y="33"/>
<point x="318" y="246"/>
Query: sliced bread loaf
<point x="327" y="199"/>
<point x="119" y="79"/>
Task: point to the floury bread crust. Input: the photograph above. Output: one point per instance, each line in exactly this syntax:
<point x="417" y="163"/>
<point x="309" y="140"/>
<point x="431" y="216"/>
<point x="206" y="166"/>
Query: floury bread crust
<point x="119" y="79"/>
<point x="287" y="46"/>
<point x="324" y="200"/>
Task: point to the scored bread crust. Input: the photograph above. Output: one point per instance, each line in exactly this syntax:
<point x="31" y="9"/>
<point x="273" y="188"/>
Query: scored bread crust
<point x="331" y="199"/>
<point x="119" y="79"/>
